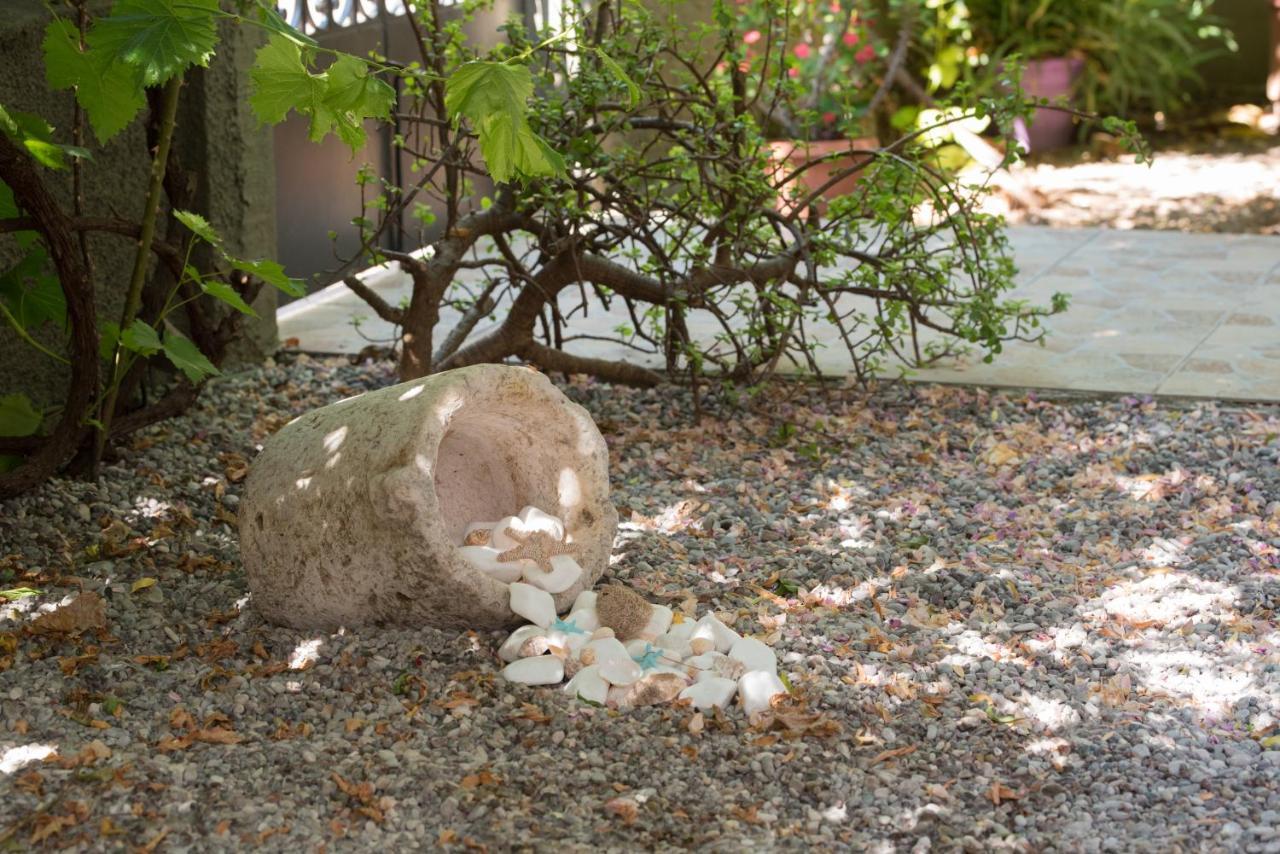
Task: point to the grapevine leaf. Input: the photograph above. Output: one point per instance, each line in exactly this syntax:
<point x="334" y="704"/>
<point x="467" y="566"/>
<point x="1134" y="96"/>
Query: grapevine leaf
<point x="336" y="101"/>
<point x="17" y="416"/>
<point x="199" y="226"/>
<point x="109" y="91"/>
<point x="352" y="94"/>
<point x="159" y="38"/>
<point x="36" y="136"/>
<point x="141" y="338"/>
<point x="224" y="292"/>
<point x="633" y="90"/>
<point x="493" y="97"/>
<point x="8" y="205"/>
<point x="107" y="340"/>
<point x="31" y="293"/>
<point x="273" y="274"/>
<point x="514" y="149"/>
<point x="480" y="89"/>
<point x="186" y="356"/>
<point x="281" y="82"/>
<point x="271" y="21"/>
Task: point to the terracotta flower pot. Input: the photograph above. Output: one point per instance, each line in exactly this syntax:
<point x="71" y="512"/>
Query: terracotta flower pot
<point x="828" y="157"/>
<point x="1051" y="78"/>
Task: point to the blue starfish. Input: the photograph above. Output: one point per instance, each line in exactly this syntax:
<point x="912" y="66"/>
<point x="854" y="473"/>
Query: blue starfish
<point x="649" y="659"/>
<point x="567" y="627"/>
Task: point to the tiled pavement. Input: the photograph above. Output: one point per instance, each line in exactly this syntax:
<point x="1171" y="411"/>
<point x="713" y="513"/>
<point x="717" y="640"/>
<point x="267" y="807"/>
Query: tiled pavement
<point x="1152" y="312"/>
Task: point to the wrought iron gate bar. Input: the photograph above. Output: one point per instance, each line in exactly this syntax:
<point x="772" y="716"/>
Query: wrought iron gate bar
<point x="314" y="16"/>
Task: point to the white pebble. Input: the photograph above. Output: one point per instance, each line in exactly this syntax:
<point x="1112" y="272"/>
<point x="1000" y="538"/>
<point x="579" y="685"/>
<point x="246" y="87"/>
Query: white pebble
<point x="586" y="619"/>
<point x="617" y="671"/>
<point x="754" y="655"/>
<point x="608" y="649"/>
<point x="681" y="632"/>
<point x="588" y="684"/>
<point x="533" y="604"/>
<point x="710" y="693"/>
<point x="500" y="540"/>
<point x="564" y="573"/>
<point x="659" y="622"/>
<point x="510" y="649"/>
<point x="706" y="664"/>
<point x="757" y="688"/>
<point x="715" y="631"/>
<point x="539" y="670"/>
<point x="533" y="519"/>
<point x="486" y="560"/>
<point x="586" y="599"/>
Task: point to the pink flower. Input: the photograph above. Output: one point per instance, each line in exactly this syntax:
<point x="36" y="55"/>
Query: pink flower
<point x="802" y="50"/>
<point x="865" y="55"/>
<point x="751" y="36"/>
<point x="828" y="118"/>
<point x="850" y="39"/>
<point x="835" y="6"/>
<point x="793" y="72"/>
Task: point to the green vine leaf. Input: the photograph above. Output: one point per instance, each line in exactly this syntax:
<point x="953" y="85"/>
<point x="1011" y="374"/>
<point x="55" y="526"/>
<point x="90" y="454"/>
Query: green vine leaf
<point x="272" y="273"/>
<point x="271" y="21"/>
<point x="36" y="136"/>
<point x="199" y="226"/>
<point x="160" y="39"/>
<point x="32" y="293"/>
<point x="337" y="100"/>
<point x="141" y="338"/>
<point x="108" y="91"/>
<point x="494" y="98"/>
<point x="225" y="293"/>
<point x="186" y="357"/>
<point x="619" y="73"/>
<point x="18" y="417"/>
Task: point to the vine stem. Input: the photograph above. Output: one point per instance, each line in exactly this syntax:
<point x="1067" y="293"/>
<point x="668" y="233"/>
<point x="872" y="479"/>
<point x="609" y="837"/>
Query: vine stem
<point x="133" y="299"/>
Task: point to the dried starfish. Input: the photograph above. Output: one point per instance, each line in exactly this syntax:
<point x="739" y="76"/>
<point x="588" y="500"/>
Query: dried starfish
<point x="537" y="546"/>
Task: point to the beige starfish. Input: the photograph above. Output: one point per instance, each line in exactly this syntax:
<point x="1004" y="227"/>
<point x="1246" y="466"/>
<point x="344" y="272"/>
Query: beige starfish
<point x="537" y="546"/>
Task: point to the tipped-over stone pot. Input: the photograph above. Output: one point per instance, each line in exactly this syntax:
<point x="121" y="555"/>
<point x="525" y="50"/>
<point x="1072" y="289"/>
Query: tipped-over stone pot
<point x="352" y="514"/>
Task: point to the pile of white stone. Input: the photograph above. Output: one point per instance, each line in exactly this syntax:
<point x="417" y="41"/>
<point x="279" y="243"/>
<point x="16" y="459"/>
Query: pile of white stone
<point x="637" y="662"/>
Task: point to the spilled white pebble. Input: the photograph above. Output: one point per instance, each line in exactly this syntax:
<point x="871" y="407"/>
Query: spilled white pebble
<point x="486" y="560"/>
<point x="754" y="655"/>
<point x="659" y="621"/>
<point x="564" y="573"/>
<point x="713" y="692"/>
<point x="619" y="671"/>
<point x="510" y="649"/>
<point x="538" y="670"/>
<point x="757" y="688"/>
<point x="589" y="685"/>
<point x="533" y="519"/>
<point x="533" y="604"/>
<point x="715" y="631"/>
<point x="608" y="649"/>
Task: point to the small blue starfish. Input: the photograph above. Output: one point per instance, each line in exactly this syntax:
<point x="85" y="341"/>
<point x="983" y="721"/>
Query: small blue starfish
<point x="649" y="659"/>
<point x="567" y="627"/>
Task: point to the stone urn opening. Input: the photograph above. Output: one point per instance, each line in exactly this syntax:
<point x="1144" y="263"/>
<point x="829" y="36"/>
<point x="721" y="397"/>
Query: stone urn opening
<point x="354" y="514"/>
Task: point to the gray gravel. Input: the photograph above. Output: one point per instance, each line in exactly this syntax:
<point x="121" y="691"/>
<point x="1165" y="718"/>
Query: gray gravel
<point x="1040" y="626"/>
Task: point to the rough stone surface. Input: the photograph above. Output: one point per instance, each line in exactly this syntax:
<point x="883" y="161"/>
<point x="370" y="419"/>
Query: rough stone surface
<point x="353" y="513"/>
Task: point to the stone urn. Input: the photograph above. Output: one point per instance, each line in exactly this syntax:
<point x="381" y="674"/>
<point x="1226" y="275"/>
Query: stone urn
<point x="352" y="515"/>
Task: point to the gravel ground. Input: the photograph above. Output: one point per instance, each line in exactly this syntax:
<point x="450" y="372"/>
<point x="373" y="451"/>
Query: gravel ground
<point x="1011" y="624"/>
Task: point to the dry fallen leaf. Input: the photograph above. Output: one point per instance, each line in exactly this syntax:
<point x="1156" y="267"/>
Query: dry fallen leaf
<point x="141" y="584"/>
<point x="894" y="754"/>
<point x="1000" y="792"/>
<point x="482" y="778"/>
<point x="235" y="466"/>
<point x="697" y="723"/>
<point x="624" y="808"/>
<point x="86" y="611"/>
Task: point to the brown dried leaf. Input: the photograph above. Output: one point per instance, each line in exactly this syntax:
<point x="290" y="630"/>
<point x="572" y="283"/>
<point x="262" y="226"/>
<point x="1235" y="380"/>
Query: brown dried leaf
<point x="624" y="808"/>
<point x="482" y="778"/>
<point x="86" y="611"/>
<point x="894" y="754"/>
<point x="235" y="466"/>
